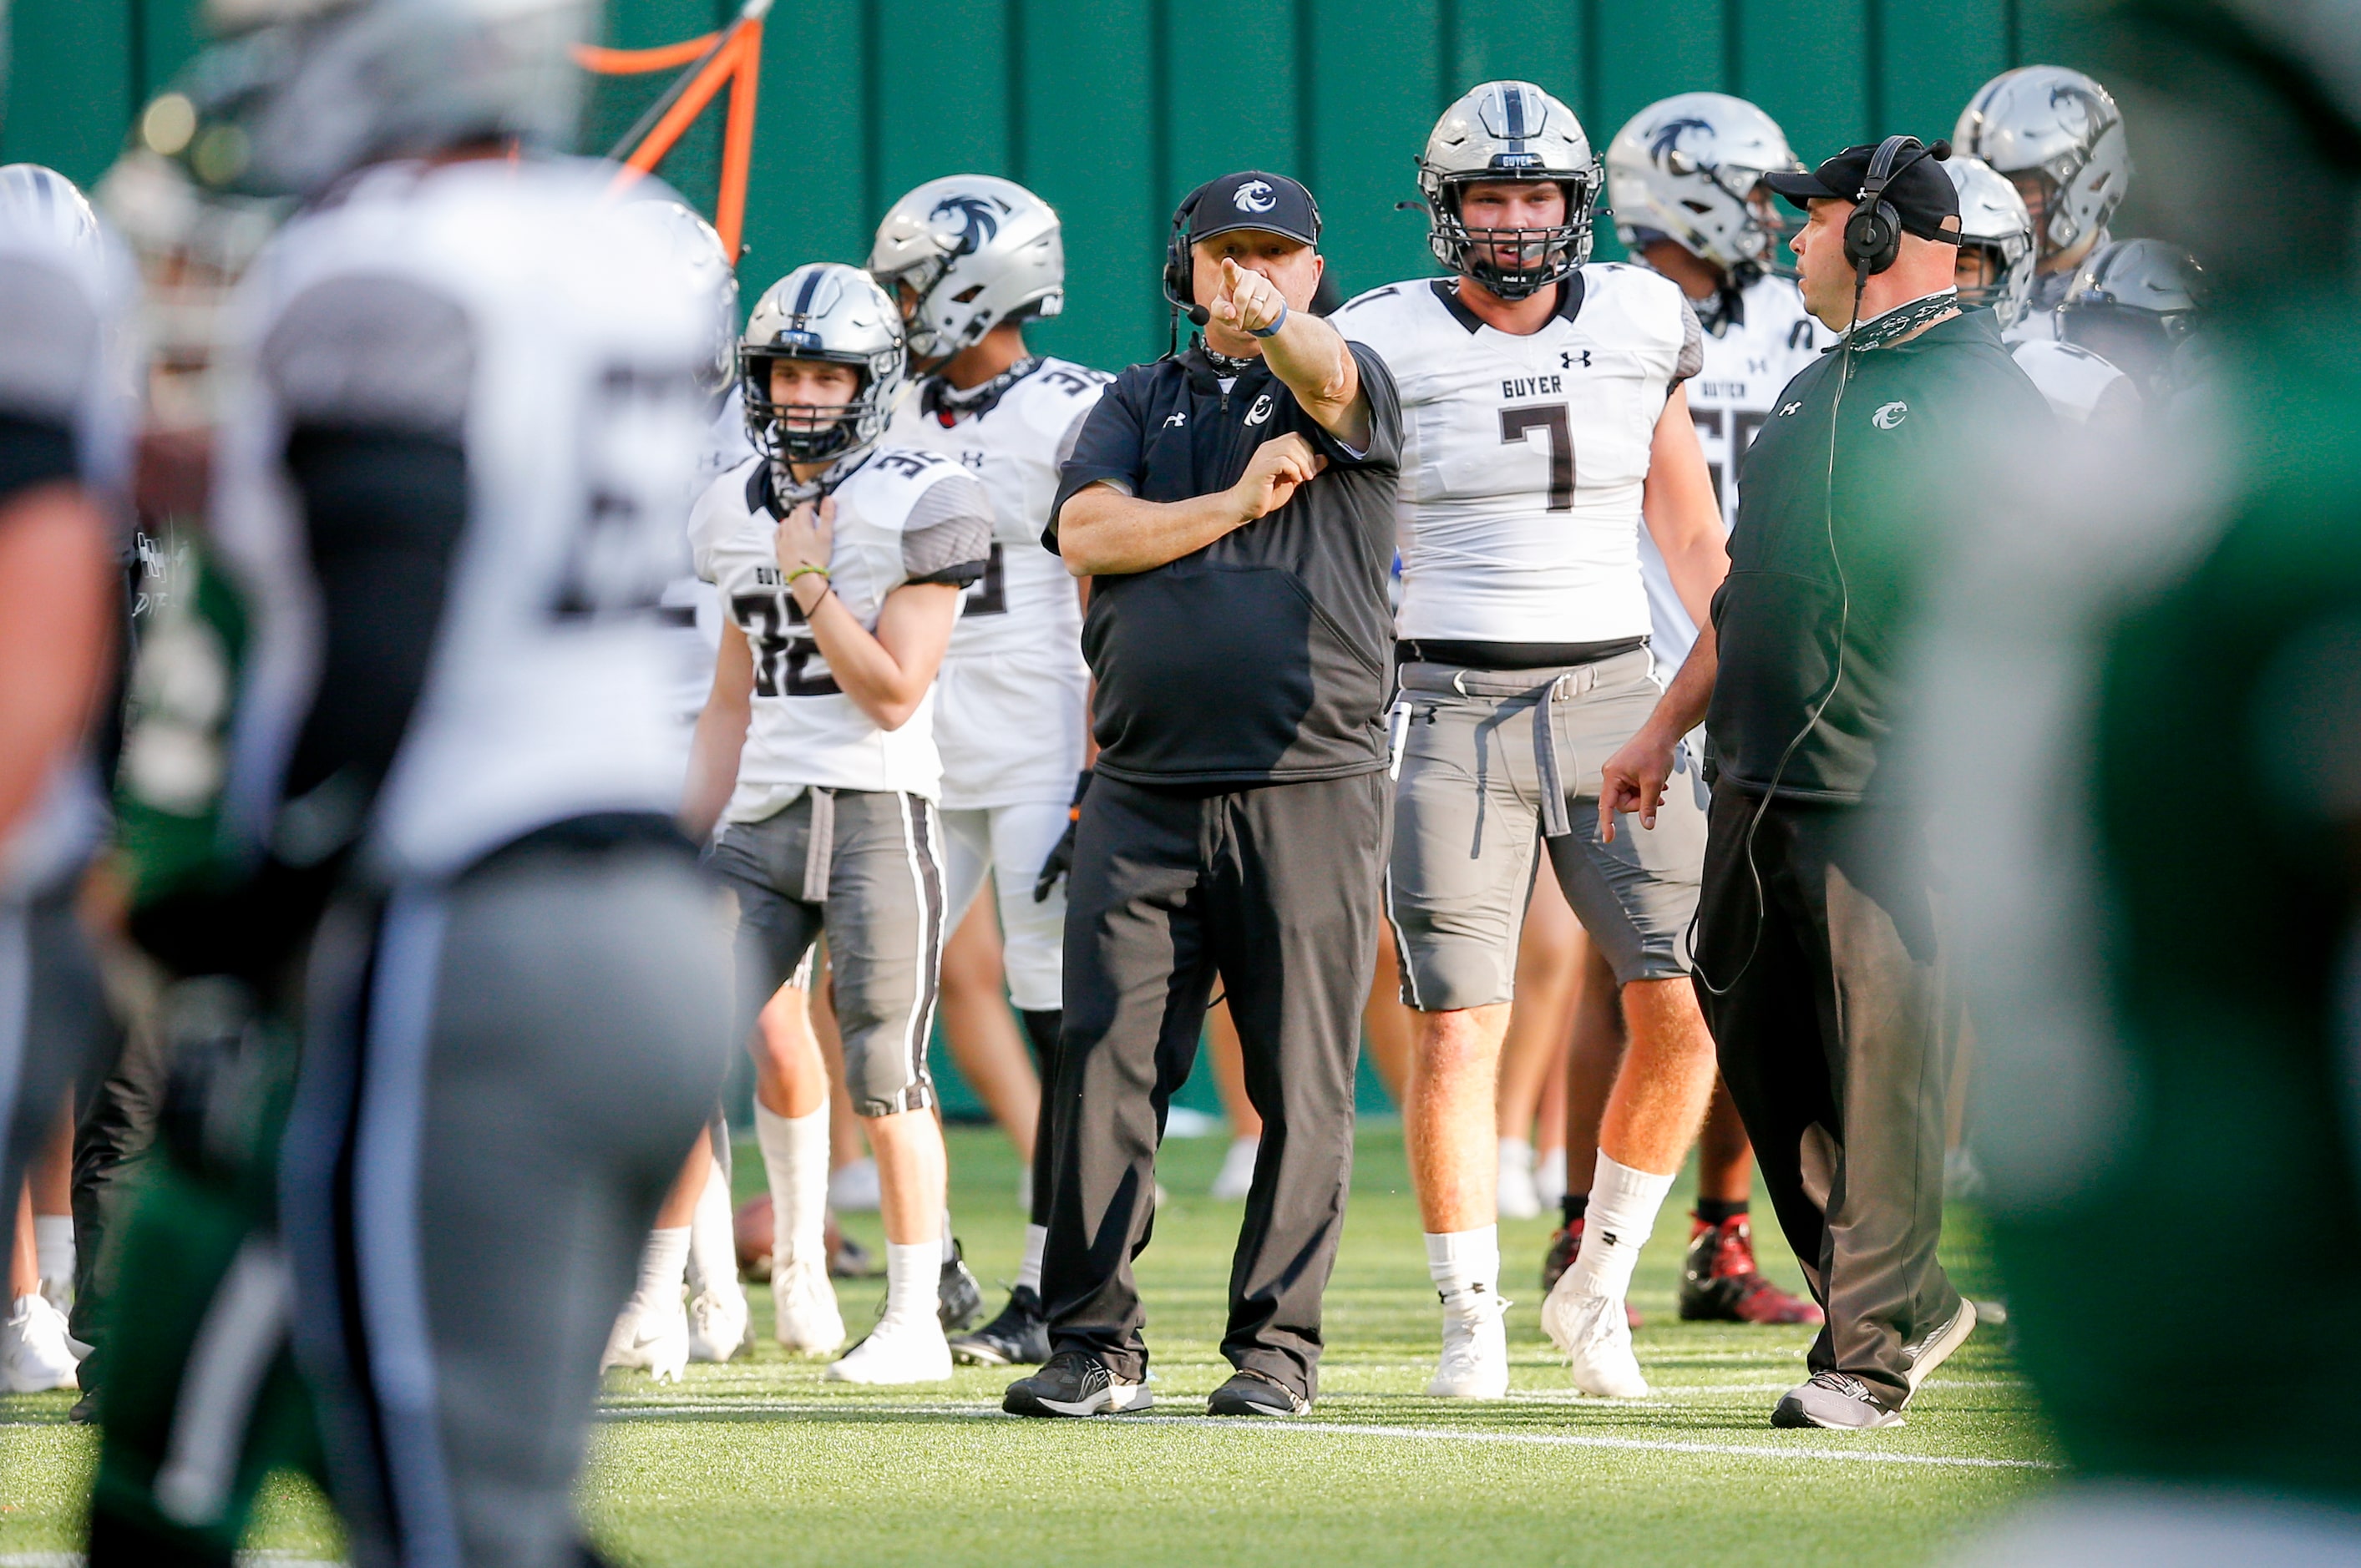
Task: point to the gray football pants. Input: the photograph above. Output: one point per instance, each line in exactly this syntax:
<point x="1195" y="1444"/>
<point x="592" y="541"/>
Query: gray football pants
<point x="56" y="1032"/>
<point x="500" y="1078"/>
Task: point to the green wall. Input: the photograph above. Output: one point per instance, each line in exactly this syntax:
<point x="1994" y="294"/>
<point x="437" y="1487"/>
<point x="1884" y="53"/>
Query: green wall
<point x="1113" y="109"/>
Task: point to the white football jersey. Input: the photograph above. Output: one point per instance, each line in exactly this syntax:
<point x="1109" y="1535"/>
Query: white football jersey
<point x="508" y="306"/>
<point x="2074" y="379"/>
<point x="1746" y="364"/>
<point x="69" y="355"/>
<point x="1524" y="459"/>
<point x="1015" y="732"/>
<point x="691" y="609"/>
<point x="901" y="515"/>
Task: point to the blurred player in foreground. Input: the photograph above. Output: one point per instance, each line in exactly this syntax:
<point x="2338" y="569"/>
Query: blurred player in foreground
<point x="66" y="406"/>
<point x="840" y="561"/>
<point x="972" y="259"/>
<point x="449" y="489"/>
<point x="2166" y="1014"/>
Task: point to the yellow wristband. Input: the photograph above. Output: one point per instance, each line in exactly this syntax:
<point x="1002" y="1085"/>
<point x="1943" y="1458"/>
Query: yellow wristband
<point x="805" y="570"/>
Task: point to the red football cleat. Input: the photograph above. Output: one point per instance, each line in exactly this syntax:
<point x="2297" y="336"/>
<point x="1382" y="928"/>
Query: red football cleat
<point x="1721" y="1284"/>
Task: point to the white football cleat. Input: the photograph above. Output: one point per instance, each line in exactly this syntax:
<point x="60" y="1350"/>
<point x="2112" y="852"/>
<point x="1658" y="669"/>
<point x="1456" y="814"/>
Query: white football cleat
<point x="1474" y="1348"/>
<point x="1232" y="1182"/>
<point x="806" y="1320"/>
<point x="717" y="1324"/>
<point x="852" y="1189"/>
<point x="1517" y="1199"/>
<point x="647" y="1338"/>
<point x="36" y="1354"/>
<point x="1597" y="1337"/>
<point x="898" y="1350"/>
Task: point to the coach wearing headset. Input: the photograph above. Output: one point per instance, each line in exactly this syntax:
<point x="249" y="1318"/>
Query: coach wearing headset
<point x="1233" y="505"/>
<point x="1817" y="959"/>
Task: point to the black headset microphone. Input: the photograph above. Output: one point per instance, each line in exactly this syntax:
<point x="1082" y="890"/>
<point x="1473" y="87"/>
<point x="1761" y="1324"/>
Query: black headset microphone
<point x="1873" y="242"/>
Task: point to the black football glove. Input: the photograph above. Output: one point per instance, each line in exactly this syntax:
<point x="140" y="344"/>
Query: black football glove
<point x="1061" y="858"/>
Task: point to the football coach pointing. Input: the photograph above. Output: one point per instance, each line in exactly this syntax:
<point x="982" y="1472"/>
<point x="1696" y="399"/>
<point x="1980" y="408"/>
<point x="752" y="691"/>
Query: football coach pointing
<point x="1234" y="507"/>
<point x="1817" y="959"/>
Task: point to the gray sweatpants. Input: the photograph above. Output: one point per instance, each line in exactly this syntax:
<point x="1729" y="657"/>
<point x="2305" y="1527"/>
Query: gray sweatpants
<point x="500" y="1078"/>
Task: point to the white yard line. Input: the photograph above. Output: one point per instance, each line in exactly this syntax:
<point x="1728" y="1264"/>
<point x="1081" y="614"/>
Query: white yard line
<point x="1353" y="1428"/>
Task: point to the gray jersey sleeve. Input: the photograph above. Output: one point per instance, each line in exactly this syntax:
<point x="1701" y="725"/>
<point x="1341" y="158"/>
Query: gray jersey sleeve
<point x="948" y="536"/>
<point x="375" y="353"/>
<point x="1692" y="357"/>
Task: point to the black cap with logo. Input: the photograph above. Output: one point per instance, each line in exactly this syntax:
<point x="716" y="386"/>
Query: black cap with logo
<point x="1254" y="200"/>
<point x="1922" y="194"/>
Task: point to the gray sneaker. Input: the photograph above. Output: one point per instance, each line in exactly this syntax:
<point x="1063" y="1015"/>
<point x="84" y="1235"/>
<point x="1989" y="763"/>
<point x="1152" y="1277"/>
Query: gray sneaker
<point x="1834" y="1399"/>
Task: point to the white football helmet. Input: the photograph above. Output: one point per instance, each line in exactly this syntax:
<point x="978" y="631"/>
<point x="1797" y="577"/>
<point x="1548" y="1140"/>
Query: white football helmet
<point x="2134" y="303"/>
<point x="36" y="200"/>
<point x="827" y="310"/>
<point x="1993" y="219"/>
<point x="298" y="93"/>
<point x="974" y="251"/>
<point x="1687" y="168"/>
<point x="1509" y="130"/>
<point x="697" y="249"/>
<point x="2061" y="127"/>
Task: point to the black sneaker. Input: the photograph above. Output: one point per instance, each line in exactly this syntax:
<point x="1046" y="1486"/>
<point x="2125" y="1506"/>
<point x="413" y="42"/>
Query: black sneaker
<point x="1255" y="1394"/>
<point x="1835" y="1400"/>
<point x="958" y="1300"/>
<point x="1018" y="1337"/>
<point x="1074" y="1383"/>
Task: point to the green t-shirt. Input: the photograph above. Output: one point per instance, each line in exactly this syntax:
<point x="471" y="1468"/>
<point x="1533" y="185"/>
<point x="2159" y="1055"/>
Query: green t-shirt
<point x="1931" y="433"/>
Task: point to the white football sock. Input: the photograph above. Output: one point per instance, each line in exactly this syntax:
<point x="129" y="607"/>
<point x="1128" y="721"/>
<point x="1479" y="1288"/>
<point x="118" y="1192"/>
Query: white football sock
<point x="1464" y="1260"/>
<point x="713" y="1238"/>
<point x="912" y="1274"/>
<point x="662" y="1263"/>
<point x="950" y="1247"/>
<point x="1516" y="1154"/>
<point x="1622" y="1212"/>
<point x="53" y="1243"/>
<point x="1029" y="1273"/>
<point x="795" y="1158"/>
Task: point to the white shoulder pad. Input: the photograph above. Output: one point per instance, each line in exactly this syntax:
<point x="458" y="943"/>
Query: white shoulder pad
<point x="2074" y="379"/>
<point x="720" y="513"/>
<point x="1386" y="319"/>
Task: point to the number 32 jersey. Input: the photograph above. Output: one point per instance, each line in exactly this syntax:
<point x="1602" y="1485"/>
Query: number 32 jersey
<point x="902" y="517"/>
<point x="503" y="314"/>
<point x="1524" y="457"/>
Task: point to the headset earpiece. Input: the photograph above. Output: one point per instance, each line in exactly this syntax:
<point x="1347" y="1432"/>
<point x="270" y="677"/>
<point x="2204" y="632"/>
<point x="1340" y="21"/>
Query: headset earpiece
<point x="1872" y="235"/>
<point x="1180" y="261"/>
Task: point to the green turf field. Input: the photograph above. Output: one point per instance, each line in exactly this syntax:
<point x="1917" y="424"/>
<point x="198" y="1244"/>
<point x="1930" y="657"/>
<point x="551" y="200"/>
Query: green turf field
<point x="760" y="1462"/>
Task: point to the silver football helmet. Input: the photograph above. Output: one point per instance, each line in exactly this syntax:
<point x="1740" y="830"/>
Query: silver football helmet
<point x="826" y="311"/>
<point x="974" y="251"/>
<point x="298" y="93"/>
<point x="697" y="249"/>
<point x="1686" y="169"/>
<point x="2061" y="129"/>
<point x="36" y="200"/>
<point x="1992" y="220"/>
<point x="1509" y="130"/>
<point x="2134" y="303"/>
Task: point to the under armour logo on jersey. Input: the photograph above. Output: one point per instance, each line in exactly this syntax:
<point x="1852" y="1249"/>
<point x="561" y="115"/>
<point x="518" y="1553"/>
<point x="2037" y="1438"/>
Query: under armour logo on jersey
<point x="1569" y="359"/>
<point x="972" y="460"/>
<point x="1260" y="412"/>
<point x="1791" y="408"/>
<point x="1255" y="196"/>
<point x="1889" y="416"/>
<point x="1177" y="417"/>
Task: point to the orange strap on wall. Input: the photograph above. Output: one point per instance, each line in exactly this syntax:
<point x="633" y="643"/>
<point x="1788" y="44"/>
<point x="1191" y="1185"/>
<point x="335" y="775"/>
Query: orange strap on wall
<point x="731" y="57"/>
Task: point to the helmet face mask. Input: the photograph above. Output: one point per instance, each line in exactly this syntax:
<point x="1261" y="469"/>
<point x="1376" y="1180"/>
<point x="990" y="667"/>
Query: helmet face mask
<point x="1508" y="131"/>
<point x="965" y="254"/>
<point x="832" y="313"/>
<point x="1689" y="169"/>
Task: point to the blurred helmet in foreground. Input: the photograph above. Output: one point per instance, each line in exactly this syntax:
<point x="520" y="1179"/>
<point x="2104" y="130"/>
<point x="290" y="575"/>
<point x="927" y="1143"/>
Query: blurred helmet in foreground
<point x="696" y="249"/>
<point x="295" y="94"/>
<point x="974" y="252"/>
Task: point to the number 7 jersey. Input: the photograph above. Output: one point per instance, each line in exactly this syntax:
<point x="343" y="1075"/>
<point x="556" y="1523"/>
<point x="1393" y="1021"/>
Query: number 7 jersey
<point x="902" y="516"/>
<point x="1524" y="459"/>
